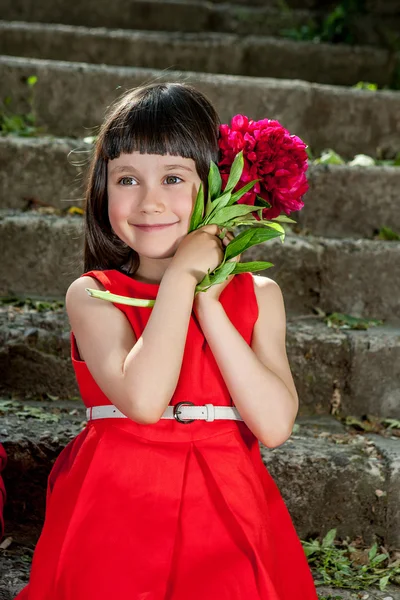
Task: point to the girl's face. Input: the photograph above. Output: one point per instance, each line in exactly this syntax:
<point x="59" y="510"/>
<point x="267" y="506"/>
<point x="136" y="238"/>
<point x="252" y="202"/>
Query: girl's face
<point x="150" y="189"/>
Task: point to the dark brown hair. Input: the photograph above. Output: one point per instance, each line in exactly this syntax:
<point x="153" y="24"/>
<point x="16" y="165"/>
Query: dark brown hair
<point x="158" y="118"/>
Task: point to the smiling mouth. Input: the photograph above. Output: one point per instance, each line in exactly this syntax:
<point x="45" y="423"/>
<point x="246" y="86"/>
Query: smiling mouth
<point x="153" y="227"/>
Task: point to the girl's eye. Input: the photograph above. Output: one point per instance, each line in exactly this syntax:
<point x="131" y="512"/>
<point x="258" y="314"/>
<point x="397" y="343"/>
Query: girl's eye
<point x="169" y="177"/>
<point x="122" y="178"/>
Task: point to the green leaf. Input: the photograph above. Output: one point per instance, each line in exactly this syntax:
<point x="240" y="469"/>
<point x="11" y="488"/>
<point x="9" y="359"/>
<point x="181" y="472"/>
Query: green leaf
<point x="383" y="582"/>
<point x="251" y="267"/>
<point x="197" y="214"/>
<point x="273" y="225"/>
<point x="218" y="203"/>
<point x="373" y="551"/>
<point x="386" y="233"/>
<point x="329" y="157"/>
<point x="225" y="215"/>
<point x="235" y="172"/>
<point x="344" y="321"/>
<point x="262" y="202"/>
<point x="237" y="195"/>
<point x="248" y="238"/>
<point x="329" y="538"/>
<point x="209" y="206"/>
<point x="283" y="219"/>
<point x="214" y="181"/>
<point x="32" y="80"/>
<point x="366" y="85"/>
<point x="218" y="276"/>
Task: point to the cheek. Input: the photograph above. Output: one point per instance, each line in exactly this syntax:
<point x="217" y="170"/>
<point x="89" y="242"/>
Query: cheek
<point x="183" y="202"/>
<point x="117" y="207"/>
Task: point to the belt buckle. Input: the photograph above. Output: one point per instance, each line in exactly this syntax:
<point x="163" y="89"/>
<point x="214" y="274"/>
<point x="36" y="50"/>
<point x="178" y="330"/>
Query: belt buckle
<point x="176" y="413"/>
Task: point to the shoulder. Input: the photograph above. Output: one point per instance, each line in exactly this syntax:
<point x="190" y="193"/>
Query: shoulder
<point x="76" y="292"/>
<point x="266" y="287"/>
<point x="269" y="298"/>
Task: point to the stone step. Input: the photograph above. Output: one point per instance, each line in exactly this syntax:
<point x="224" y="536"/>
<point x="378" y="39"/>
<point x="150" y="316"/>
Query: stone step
<point x="374" y="6"/>
<point x="348" y="120"/>
<point x="339" y="474"/>
<point x="170" y="15"/>
<point x="333" y="274"/>
<point x="253" y="56"/>
<point x="371" y="193"/>
<point x="377" y="26"/>
<point x="348" y="372"/>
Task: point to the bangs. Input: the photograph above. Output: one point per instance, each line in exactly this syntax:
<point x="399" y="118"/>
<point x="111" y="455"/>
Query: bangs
<point x="163" y="119"/>
<point x="149" y="133"/>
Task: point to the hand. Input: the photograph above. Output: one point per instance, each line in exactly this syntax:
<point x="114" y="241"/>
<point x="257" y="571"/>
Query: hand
<point x="199" y="251"/>
<point x="213" y="293"/>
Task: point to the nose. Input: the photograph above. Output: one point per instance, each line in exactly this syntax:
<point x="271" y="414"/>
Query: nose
<point x="150" y="200"/>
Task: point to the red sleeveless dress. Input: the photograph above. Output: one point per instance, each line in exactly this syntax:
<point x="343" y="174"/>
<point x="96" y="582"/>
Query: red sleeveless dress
<point x="167" y="511"/>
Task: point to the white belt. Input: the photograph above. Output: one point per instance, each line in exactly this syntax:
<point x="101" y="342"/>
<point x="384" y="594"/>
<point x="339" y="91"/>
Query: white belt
<point x="183" y="412"/>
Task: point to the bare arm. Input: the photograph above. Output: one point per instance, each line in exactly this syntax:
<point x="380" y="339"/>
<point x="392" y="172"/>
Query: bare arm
<point x="153" y="365"/>
<point x="138" y="376"/>
<point x="258" y="376"/>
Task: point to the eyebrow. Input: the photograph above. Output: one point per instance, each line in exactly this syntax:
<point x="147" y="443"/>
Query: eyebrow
<point x="120" y="168"/>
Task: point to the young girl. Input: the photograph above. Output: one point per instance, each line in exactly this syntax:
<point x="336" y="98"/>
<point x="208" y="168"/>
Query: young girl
<point x="164" y="495"/>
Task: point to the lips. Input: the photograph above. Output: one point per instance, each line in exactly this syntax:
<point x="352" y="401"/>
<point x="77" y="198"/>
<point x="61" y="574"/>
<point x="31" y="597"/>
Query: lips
<point x="153" y="227"/>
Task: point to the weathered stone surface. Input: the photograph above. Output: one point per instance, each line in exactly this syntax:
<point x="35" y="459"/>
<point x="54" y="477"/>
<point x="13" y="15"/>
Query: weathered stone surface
<point x="263" y="17"/>
<point x="389" y="450"/>
<point x="32" y="444"/>
<point x="349" y="120"/>
<point x="252" y="55"/>
<point x="42" y="169"/>
<point x="351" y="267"/>
<point x="138" y="14"/>
<point x="342" y="201"/>
<point x="379" y="26"/>
<point x="344" y="474"/>
<point x="350" y="201"/>
<point x="35" y="353"/>
<point x="45" y="254"/>
<point x="351" y="372"/>
<point x="335" y="274"/>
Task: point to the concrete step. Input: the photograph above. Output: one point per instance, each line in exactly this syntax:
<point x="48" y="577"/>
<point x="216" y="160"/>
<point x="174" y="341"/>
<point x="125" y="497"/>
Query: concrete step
<point x="251" y="55"/>
<point x="328" y="475"/>
<point x="345" y="372"/>
<point x="371" y="193"/>
<point x="348" y="120"/>
<point x="333" y="274"/>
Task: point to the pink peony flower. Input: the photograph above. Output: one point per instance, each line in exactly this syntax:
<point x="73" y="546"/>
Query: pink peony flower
<point x="270" y="154"/>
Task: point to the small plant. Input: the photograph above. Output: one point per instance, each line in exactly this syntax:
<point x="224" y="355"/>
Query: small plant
<point x="331" y="157"/>
<point x="344" y="567"/>
<point x="336" y="27"/>
<point x="366" y="85"/>
<point x="343" y="321"/>
<point x="19" y="124"/>
<point x="28" y="303"/>
<point x="385" y="233"/>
